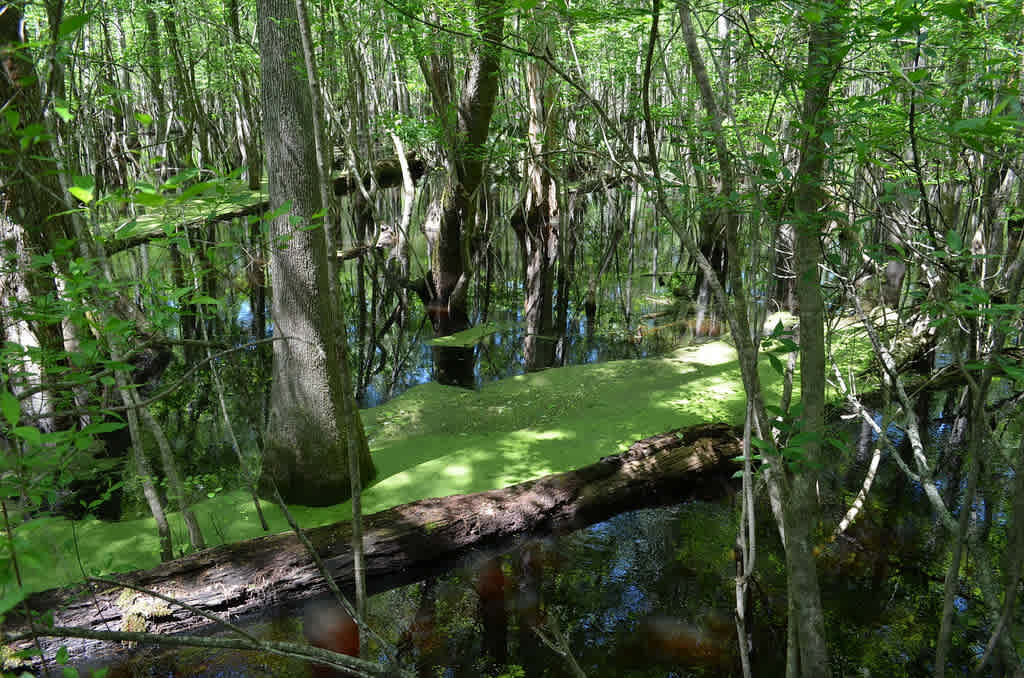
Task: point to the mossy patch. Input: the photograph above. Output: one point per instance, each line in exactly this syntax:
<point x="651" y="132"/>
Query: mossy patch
<point x="137" y="609"/>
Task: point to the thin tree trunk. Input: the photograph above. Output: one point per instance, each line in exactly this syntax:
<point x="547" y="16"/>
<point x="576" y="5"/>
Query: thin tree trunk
<point x="177" y="487"/>
<point x="824" y="57"/>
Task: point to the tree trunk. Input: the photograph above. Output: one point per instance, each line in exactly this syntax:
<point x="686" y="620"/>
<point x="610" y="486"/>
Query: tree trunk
<point x="30" y="196"/>
<point x="308" y="434"/>
<point x="825" y="54"/>
<point x="538" y="223"/>
<point x="451" y="217"/>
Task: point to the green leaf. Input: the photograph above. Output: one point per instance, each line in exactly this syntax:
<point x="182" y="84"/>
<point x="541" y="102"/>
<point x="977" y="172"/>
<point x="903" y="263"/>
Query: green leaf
<point x="13" y="597"/>
<point x="83" y="189"/>
<point x="180" y="178"/>
<point x="813" y="15"/>
<point x="29" y="434"/>
<point x="10" y="407"/>
<point x="472" y="336"/>
<point x="64" y="112"/>
<point x="103" y="427"/>
<point x="956" y="10"/>
<point x="197" y="189"/>
<point x="202" y="299"/>
<point x="838" y="444"/>
<point x="62" y="655"/>
<point x="144" y="119"/>
<point x="117" y="365"/>
<point x="954" y="240"/>
<point x="1012" y="371"/>
<point x="970" y="124"/>
<point x="788" y="345"/>
<point x="804" y="438"/>
<point x="13" y="118"/>
<point x="149" y="199"/>
<point x="73" y="24"/>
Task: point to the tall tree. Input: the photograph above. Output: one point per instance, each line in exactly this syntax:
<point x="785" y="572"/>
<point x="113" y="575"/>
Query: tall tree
<point x="537" y="224"/>
<point x="29" y="184"/>
<point x="826" y="49"/>
<point x="313" y="415"/>
<point x="466" y="119"/>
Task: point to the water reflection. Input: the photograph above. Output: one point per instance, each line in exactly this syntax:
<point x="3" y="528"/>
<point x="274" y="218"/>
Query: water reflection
<point x="630" y="594"/>
<point x="499" y="354"/>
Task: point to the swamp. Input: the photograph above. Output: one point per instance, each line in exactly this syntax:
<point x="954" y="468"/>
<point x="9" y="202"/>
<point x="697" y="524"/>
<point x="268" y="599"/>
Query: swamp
<point x="511" y="338"/>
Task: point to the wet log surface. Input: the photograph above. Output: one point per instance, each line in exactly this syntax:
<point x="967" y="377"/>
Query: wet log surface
<point x="403" y="544"/>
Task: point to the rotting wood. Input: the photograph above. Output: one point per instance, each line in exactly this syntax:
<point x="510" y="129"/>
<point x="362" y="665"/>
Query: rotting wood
<point x="403" y="543"/>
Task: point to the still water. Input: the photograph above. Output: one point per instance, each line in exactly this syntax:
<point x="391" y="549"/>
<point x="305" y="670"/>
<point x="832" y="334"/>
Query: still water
<point x="646" y="593"/>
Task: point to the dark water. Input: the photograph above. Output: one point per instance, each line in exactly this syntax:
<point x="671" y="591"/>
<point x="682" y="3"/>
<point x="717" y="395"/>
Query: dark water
<point x="499" y="355"/>
<point x="646" y="593"/>
<point x="408" y="359"/>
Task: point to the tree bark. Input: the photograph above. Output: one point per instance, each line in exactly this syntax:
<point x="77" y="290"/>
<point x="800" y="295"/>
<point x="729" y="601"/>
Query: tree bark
<point x="32" y="207"/>
<point x="537" y="225"/>
<point x="451" y="217"/>
<point x="801" y="512"/>
<point x="308" y="433"/>
<point x="404" y="543"/>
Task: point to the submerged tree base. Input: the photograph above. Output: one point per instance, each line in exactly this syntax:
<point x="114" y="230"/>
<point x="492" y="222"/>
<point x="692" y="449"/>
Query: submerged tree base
<point x="403" y="543"/>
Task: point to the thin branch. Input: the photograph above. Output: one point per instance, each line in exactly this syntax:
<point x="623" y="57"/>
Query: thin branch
<point x="325" y="573"/>
<point x="174" y="385"/>
<point x="167" y="599"/>
<point x="354" y="665"/>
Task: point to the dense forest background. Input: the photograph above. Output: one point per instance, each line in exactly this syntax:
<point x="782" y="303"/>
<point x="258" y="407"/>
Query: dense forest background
<point x="229" y="225"/>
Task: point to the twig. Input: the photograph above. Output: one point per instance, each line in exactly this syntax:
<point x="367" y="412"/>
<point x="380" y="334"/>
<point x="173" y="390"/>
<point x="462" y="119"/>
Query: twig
<point x="559" y="644"/>
<point x="354" y="665"/>
<point x="325" y="573"/>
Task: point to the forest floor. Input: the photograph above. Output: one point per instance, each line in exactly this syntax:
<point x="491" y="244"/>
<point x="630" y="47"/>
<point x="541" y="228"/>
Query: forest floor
<point x="434" y="441"/>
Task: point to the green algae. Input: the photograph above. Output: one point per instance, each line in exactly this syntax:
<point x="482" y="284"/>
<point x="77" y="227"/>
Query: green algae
<point x="437" y="440"/>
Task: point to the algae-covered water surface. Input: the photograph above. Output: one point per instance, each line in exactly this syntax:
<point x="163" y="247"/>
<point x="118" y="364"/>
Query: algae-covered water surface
<point x="646" y="593"/>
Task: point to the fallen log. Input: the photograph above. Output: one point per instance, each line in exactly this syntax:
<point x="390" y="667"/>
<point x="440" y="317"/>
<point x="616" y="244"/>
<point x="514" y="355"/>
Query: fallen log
<point x="403" y="544"/>
<point x="386" y="174"/>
